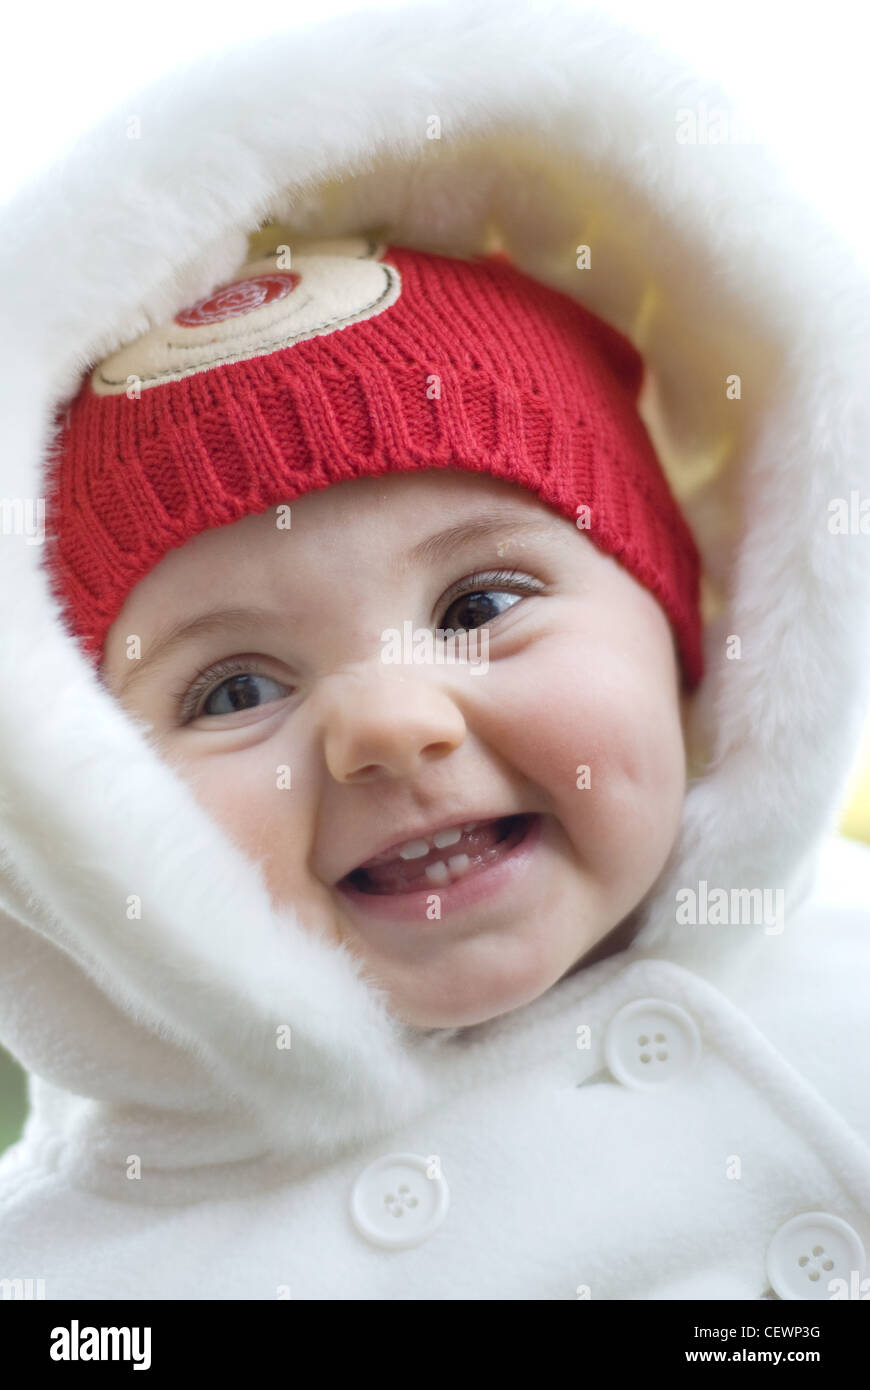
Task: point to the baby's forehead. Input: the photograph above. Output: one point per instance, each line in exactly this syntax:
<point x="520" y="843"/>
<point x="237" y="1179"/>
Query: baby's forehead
<point x="386" y="527"/>
<point x="415" y="500"/>
<point x="374" y="530"/>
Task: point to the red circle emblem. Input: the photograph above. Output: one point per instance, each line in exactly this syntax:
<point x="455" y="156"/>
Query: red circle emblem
<point x="240" y="297"/>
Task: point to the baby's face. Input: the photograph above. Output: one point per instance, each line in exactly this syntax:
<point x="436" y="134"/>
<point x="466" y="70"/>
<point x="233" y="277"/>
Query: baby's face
<point x="319" y="741"/>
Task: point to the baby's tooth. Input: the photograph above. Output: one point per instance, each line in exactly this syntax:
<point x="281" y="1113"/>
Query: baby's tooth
<point x="438" y="872"/>
<point x="414" y="849"/>
<point x="459" y="863"/>
<point x="443" y="838"/>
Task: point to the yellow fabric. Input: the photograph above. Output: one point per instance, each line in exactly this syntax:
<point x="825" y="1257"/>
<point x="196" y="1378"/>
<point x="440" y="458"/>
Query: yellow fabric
<point x="855" y="813"/>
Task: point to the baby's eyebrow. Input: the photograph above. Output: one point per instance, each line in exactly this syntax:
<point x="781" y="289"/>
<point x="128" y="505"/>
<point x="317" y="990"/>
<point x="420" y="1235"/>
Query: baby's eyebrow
<point x="214" y="620"/>
<point x="431" y="549"/>
<point x="443" y="543"/>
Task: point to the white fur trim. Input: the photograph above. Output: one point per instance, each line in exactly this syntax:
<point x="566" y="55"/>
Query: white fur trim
<point x="556" y="130"/>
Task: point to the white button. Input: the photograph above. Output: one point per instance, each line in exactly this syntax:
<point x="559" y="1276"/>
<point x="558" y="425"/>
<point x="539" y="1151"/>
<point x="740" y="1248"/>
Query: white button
<point x="396" y="1204"/>
<point x="810" y="1250"/>
<point x="651" y="1041"/>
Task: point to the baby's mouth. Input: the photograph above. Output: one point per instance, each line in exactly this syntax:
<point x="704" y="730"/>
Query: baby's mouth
<point x="464" y="850"/>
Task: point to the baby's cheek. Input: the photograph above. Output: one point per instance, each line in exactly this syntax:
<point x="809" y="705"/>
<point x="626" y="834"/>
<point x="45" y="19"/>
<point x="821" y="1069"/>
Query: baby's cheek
<point x="254" y="802"/>
<point x="641" y="805"/>
<point x="608" y="755"/>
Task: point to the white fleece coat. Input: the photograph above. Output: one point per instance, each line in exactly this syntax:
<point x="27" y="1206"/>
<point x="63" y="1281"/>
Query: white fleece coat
<point x="172" y="1149"/>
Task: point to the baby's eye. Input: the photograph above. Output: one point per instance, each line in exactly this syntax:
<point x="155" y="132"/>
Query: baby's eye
<point x="480" y="605"/>
<point x="240" y="689"/>
<point x="473" y="610"/>
<point x="238" y="692"/>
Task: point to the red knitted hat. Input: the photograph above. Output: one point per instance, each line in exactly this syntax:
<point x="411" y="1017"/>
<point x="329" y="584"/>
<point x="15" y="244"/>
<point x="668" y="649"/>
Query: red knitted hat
<point x="357" y="360"/>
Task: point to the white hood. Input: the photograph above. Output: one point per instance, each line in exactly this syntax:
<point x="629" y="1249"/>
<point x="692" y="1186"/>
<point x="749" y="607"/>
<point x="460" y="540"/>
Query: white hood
<point x="557" y="130"/>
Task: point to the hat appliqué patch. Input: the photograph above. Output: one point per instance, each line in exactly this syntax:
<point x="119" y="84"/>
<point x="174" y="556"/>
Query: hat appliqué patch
<point x="262" y="310"/>
<point x="238" y="298"/>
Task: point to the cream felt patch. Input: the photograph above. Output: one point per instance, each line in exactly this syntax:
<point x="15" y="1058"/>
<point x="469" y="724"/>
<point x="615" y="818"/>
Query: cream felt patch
<point x="276" y="300"/>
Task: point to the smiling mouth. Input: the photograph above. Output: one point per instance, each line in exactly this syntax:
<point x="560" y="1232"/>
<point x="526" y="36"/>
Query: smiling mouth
<point x="476" y="849"/>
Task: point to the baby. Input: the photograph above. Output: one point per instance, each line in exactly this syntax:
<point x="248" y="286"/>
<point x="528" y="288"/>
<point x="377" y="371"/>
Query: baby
<point x="438" y="1032"/>
<point x="374" y="441"/>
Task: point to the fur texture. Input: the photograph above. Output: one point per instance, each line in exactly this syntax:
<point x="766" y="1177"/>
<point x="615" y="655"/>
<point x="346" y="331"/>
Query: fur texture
<point x="556" y="130"/>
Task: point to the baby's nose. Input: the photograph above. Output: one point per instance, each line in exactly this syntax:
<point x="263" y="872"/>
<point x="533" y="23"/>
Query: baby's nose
<point x="387" y="726"/>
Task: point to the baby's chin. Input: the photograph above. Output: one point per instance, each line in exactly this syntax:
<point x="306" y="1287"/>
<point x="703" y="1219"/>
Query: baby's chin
<point x="488" y="1004"/>
<point x="463" y="993"/>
